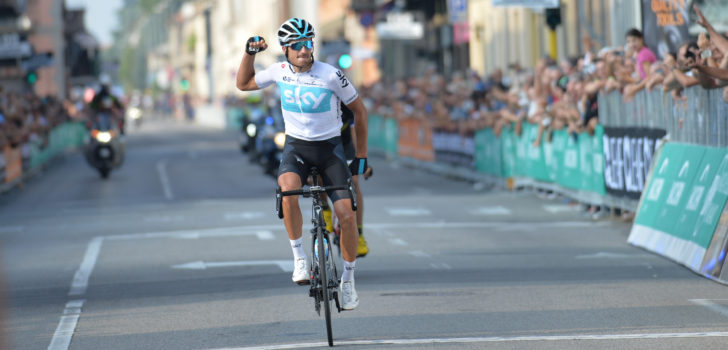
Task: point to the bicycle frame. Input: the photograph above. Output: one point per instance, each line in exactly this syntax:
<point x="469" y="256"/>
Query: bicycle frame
<point x="323" y="275"/>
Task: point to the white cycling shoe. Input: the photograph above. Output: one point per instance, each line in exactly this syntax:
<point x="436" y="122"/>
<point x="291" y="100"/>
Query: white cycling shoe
<point x="300" y="272"/>
<point x="349" y="298"/>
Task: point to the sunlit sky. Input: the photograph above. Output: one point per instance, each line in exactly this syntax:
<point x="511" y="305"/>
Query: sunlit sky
<point x="100" y="17"/>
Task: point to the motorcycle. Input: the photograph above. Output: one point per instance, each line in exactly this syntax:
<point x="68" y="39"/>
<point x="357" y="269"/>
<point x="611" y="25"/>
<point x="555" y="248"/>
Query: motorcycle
<point x="104" y="149"/>
<point x="270" y="145"/>
<point x="249" y="127"/>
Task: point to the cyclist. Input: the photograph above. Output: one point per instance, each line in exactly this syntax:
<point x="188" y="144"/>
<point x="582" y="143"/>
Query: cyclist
<point x="348" y="134"/>
<point x="310" y="95"/>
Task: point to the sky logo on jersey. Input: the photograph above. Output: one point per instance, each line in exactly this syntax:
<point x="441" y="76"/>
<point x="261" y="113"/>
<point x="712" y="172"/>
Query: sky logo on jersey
<point x="305" y="99"/>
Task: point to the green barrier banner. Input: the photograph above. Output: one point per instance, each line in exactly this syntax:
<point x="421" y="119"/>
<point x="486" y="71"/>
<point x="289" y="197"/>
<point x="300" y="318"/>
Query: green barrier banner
<point x="689" y="220"/>
<point x="536" y="155"/>
<point x="685" y="193"/>
<point x="521" y="166"/>
<point x="598" y="161"/>
<point x="569" y="175"/>
<point x="488" y="153"/>
<point x="675" y="196"/>
<point x="508" y="151"/>
<point x="715" y="200"/>
<point x="550" y="161"/>
<point x="665" y="169"/>
<point x="375" y="139"/>
<point x="61" y="138"/>
<point x="559" y="139"/>
<point x="586" y="154"/>
<point x="391" y="136"/>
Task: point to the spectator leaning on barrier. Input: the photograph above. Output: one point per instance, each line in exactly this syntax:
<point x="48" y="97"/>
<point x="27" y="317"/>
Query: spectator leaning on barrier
<point x="709" y="56"/>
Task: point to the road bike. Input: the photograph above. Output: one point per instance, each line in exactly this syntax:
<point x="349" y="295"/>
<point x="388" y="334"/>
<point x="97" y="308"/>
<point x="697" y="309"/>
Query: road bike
<point x="323" y="274"/>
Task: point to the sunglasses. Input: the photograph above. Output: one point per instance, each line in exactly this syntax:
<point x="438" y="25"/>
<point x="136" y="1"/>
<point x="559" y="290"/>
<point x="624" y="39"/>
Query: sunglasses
<point x="301" y="44"/>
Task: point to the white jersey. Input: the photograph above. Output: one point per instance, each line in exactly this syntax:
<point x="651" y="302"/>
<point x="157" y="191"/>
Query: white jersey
<point x="310" y="101"/>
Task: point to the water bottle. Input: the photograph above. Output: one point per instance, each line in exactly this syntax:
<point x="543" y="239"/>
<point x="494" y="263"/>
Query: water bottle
<point x="326" y="247"/>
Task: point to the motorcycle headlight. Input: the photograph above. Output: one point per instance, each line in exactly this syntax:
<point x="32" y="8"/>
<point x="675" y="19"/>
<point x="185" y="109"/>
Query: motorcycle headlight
<point x="103" y="136"/>
<point x="280" y="140"/>
<point x="251" y="130"/>
<point x="134" y="113"/>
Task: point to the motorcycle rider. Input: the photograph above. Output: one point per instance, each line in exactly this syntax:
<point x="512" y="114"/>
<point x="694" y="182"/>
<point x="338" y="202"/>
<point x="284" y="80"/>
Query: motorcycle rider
<point x="104" y="102"/>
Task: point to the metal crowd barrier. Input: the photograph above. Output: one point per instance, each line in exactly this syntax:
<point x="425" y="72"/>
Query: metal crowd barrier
<point x="701" y="118"/>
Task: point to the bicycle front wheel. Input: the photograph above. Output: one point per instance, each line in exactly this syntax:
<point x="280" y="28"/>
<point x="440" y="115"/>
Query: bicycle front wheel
<point x="323" y="275"/>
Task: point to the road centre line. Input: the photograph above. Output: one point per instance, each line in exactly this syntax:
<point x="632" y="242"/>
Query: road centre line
<point x="80" y="278"/>
<point x="66" y="326"/>
<point x="162" y="170"/>
<point x="488" y="340"/>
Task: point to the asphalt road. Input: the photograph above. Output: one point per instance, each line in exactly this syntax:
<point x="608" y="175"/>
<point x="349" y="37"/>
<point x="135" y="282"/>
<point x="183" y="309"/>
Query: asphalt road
<point x="180" y="249"/>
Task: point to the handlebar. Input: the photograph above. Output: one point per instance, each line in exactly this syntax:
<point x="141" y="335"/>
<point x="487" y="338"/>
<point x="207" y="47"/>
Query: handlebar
<point x="307" y="192"/>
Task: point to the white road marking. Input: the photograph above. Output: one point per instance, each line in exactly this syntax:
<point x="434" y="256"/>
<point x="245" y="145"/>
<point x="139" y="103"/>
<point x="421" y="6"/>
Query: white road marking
<point x="521" y="226"/>
<point x="723" y="310"/>
<point x="164" y="218"/>
<point x="80" y="279"/>
<point x="67" y="326"/>
<point x="607" y="255"/>
<point x="162" y="170"/>
<point x="285" y="265"/>
<point x="247" y="229"/>
<point x="496" y="210"/>
<point x="419" y="254"/>
<point x="488" y="340"/>
<point x="441" y="266"/>
<point x="264" y="235"/>
<point x="397" y="241"/>
<point x="408" y="211"/>
<point x="480" y="224"/>
<point x="246" y="215"/>
<point x="555" y="209"/>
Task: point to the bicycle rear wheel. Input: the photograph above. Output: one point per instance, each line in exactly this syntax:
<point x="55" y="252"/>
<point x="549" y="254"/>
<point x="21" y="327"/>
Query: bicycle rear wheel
<point x="324" y="279"/>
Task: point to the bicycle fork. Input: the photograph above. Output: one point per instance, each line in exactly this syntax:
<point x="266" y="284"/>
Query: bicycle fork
<point x="316" y="290"/>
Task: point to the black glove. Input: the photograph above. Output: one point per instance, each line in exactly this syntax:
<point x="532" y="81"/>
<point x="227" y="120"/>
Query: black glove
<point x="253" y="50"/>
<point x="358" y="166"/>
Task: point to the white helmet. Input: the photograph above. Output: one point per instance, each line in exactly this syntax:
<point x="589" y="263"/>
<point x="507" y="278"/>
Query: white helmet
<point x="294" y="29"/>
<point x="104" y="79"/>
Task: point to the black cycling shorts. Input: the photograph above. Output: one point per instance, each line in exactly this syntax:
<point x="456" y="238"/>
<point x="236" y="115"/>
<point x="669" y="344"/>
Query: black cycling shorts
<point x="328" y="156"/>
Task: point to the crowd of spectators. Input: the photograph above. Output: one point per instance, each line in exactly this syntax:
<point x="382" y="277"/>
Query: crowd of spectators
<point x="26" y="118"/>
<point x="554" y="95"/>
